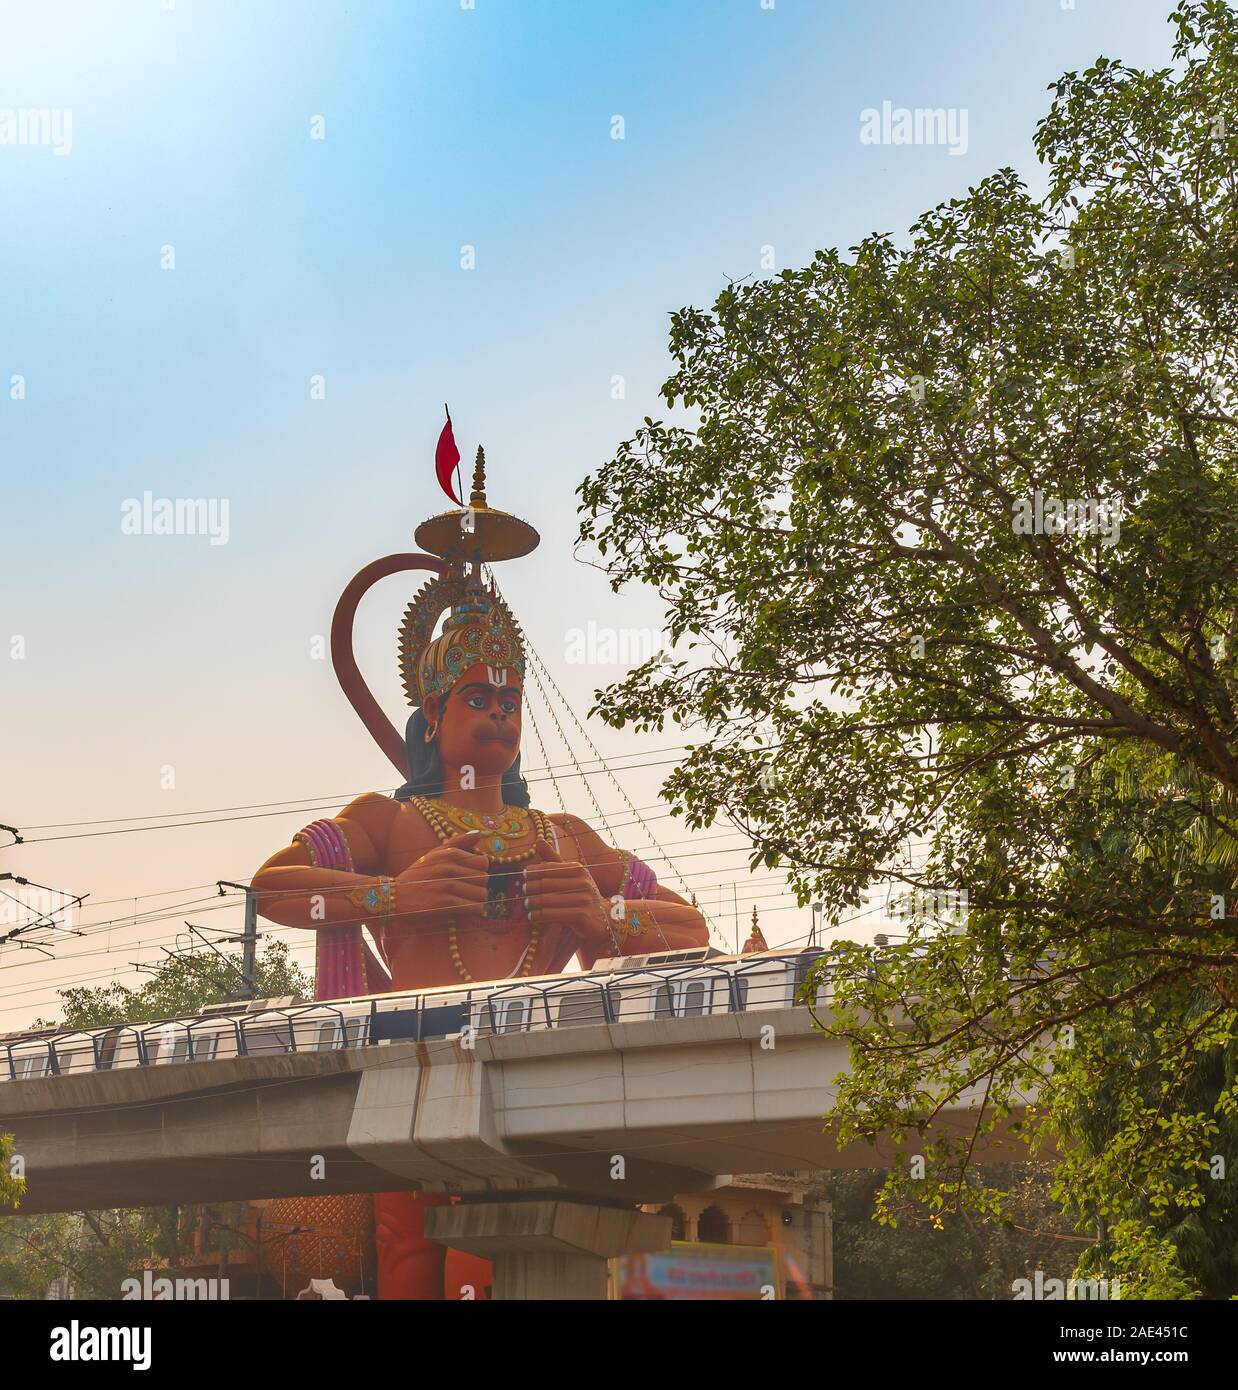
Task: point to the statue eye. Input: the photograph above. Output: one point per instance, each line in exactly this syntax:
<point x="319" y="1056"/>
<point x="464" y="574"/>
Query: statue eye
<point x="477" y="701"/>
<point x="509" y="706"/>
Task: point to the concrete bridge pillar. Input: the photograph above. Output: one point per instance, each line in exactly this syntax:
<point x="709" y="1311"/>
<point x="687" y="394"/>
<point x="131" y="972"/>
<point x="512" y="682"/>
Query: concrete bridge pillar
<point x="547" y="1248"/>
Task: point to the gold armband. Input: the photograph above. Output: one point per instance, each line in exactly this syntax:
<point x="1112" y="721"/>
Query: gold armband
<point x="637" y="922"/>
<point x="375" y="897"/>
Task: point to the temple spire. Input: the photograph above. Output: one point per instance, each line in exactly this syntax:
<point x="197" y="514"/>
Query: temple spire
<point x="755" y="942"/>
<point x="478" y="496"/>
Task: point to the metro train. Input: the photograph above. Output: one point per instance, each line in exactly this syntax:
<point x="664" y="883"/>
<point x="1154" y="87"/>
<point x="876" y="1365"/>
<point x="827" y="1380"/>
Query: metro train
<point x="625" y="989"/>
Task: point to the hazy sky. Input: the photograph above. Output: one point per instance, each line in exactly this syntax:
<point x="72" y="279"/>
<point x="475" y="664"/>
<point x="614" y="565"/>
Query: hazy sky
<point x="181" y="258"/>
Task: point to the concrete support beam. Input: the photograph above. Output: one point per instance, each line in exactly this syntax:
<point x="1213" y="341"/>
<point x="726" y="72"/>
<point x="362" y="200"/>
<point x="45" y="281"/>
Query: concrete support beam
<point x="547" y="1249"/>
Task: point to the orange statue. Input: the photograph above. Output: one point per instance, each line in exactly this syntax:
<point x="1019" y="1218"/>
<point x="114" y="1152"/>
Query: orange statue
<point x="456" y="878"/>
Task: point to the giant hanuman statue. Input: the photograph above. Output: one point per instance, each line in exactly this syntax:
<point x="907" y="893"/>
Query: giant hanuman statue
<point x="456" y="878"/>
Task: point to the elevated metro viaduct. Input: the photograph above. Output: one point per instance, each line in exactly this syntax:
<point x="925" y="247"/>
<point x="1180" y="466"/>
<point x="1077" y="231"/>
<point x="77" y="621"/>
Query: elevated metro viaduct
<point x="553" y="1138"/>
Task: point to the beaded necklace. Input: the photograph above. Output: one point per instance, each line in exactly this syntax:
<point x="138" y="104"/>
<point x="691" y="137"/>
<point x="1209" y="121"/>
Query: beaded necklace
<point x="498" y="833"/>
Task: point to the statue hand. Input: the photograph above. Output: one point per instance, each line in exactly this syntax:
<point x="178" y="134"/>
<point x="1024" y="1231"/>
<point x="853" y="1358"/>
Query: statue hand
<point x="563" y="892"/>
<point x="449" y="878"/>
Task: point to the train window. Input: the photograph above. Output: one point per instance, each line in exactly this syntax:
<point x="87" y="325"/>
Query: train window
<point x="739" y="994"/>
<point x="264" y="1040"/>
<point x="581" y="1006"/>
<point x="105" y="1049"/>
<point x="172" y="1045"/>
<point x="511" y="1015"/>
<point x="339" y="1032"/>
<point x="799" y="973"/>
<point x="681" y="998"/>
<point x="693" y="997"/>
<point x="32" y="1065"/>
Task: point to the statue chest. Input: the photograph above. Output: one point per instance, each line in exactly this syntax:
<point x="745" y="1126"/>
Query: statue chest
<point x="508" y="838"/>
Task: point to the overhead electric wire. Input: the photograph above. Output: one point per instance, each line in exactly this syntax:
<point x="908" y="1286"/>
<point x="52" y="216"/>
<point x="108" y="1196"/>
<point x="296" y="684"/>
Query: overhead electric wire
<point x="276" y="927"/>
<point x="114" y="974"/>
<point x="199" y="906"/>
<point x="262" y="815"/>
<point x="292" y="802"/>
<point x="167" y="911"/>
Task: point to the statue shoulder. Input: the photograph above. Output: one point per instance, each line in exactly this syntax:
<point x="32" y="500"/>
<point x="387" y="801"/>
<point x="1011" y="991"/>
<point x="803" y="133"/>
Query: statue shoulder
<point x="608" y="865"/>
<point x="584" y="834"/>
<point x="370" y="806"/>
<point x="374" y="812"/>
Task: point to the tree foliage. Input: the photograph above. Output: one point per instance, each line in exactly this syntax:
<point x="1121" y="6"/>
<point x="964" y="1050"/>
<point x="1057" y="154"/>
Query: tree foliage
<point x="183" y="985"/>
<point x="11" y="1187"/>
<point x="918" y="1256"/>
<point x="99" y="1250"/>
<point x="947" y="533"/>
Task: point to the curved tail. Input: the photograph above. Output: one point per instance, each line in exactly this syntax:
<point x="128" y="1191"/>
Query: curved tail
<point x="352" y="683"/>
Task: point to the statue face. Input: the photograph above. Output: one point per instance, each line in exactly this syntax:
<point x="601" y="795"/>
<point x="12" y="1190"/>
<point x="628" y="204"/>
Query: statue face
<point x="479" y="720"/>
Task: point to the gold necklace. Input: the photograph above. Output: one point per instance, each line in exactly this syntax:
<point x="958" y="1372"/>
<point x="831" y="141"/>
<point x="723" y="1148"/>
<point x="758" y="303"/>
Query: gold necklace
<point x="498" y="833"/>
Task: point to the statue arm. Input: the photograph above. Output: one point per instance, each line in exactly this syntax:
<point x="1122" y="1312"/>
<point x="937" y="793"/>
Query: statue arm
<point x="634" y="925"/>
<point x="296" y="892"/>
<point x="664" y="923"/>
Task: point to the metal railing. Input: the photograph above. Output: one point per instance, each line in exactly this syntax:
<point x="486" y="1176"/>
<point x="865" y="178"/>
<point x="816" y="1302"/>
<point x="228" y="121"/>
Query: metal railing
<point x="657" y="993"/>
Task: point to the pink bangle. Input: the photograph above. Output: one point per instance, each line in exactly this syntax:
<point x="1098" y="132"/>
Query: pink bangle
<point x="327" y="847"/>
<point x="639" y="881"/>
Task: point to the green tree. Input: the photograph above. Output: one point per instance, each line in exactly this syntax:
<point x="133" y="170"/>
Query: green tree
<point x="952" y="1256"/>
<point x="11" y="1188"/>
<point x="1166" y="1213"/>
<point x="948" y="541"/>
<point x="99" y="1250"/>
<point x="183" y="985"/>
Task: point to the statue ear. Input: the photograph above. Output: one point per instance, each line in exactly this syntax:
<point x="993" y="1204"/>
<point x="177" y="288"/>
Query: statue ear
<point x="431" y="707"/>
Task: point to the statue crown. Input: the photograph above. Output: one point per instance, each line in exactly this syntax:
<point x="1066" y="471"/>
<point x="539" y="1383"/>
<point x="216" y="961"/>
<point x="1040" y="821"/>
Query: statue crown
<point x="479" y="629"/>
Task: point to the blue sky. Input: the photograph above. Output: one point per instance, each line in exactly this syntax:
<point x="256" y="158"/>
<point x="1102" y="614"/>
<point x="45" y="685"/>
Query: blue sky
<point x="341" y="258"/>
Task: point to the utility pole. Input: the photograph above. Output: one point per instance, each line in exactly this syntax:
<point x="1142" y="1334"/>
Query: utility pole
<point x="249" y="934"/>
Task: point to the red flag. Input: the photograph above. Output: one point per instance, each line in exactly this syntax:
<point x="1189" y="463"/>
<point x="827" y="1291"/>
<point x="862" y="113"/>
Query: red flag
<point x="446" y="457"/>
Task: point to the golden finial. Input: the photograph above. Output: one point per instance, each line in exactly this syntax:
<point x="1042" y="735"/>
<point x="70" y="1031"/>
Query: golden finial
<point x="478" y="495"/>
<point x="754" y="922"/>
